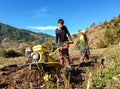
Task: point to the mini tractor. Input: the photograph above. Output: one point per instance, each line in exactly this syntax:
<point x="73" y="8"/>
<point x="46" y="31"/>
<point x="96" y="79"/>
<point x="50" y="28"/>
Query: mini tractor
<point x="40" y="57"/>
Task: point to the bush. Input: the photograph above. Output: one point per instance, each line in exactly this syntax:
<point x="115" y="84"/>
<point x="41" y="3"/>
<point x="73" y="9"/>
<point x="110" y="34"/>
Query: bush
<point x="109" y="36"/>
<point x="22" y="51"/>
<point x="101" y="44"/>
<point x="74" y="35"/>
<point x="112" y="36"/>
<point x="11" y="53"/>
<point x="117" y="35"/>
<point x="2" y="52"/>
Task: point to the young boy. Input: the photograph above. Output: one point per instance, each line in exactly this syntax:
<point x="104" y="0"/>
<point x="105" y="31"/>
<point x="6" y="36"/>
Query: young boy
<point x="62" y="35"/>
<point x="84" y="48"/>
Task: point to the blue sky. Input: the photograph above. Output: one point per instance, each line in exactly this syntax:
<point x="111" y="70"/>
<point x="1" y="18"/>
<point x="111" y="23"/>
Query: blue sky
<point x="42" y="15"/>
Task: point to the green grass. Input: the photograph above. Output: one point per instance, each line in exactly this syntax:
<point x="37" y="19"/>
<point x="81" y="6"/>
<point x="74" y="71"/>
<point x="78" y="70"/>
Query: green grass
<point x="109" y="76"/>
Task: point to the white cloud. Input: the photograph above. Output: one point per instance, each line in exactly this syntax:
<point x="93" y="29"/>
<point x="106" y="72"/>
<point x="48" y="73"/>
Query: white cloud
<point x="42" y="27"/>
<point x="42" y="12"/>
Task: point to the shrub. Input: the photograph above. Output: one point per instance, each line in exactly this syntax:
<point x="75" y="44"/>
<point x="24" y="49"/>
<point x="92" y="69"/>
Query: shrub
<point x="101" y="44"/>
<point x="22" y="51"/>
<point x="117" y="35"/>
<point x="74" y="35"/>
<point x="11" y="53"/>
<point x="109" y="36"/>
<point x="2" y="52"/>
<point x="112" y="36"/>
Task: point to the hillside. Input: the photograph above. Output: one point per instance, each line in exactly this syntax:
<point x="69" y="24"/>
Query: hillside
<point x="15" y="37"/>
<point x="102" y="71"/>
<point x="104" y="34"/>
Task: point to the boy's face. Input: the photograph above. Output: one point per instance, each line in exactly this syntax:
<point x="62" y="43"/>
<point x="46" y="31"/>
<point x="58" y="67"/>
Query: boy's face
<point x="60" y="25"/>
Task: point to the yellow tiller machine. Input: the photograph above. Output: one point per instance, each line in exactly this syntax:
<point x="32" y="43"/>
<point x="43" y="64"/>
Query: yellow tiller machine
<point x="41" y="58"/>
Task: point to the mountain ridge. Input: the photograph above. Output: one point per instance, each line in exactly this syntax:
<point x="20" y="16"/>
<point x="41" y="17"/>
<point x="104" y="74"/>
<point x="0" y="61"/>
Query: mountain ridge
<point x="10" y="36"/>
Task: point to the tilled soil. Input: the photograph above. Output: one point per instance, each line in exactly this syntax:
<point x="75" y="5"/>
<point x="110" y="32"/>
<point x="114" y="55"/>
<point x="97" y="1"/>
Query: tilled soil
<point x="14" y="77"/>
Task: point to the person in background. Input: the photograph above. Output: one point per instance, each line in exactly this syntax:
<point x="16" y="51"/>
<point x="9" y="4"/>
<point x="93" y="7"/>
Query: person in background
<point x="63" y="35"/>
<point x="84" y="47"/>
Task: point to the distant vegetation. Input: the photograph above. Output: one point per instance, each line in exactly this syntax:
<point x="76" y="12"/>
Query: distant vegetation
<point x="10" y="36"/>
<point x="112" y="33"/>
<point x="9" y="53"/>
<point x="102" y="35"/>
<point x="12" y="33"/>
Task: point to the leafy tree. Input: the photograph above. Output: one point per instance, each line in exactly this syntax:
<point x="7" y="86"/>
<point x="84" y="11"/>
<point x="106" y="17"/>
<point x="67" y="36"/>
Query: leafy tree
<point x="93" y="24"/>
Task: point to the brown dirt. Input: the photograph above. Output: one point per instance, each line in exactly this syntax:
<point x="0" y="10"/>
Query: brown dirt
<point x="14" y="77"/>
<point x="11" y="61"/>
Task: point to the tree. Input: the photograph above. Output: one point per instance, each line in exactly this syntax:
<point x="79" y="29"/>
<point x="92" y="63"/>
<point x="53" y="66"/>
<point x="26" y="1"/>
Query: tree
<point x="93" y="24"/>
